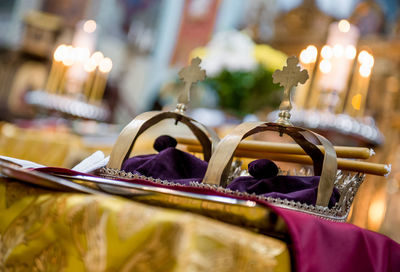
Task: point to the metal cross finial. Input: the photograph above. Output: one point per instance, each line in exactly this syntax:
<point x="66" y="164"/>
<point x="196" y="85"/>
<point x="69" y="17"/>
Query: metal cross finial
<point x="189" y="75"/>
<point x="288" y="77"/>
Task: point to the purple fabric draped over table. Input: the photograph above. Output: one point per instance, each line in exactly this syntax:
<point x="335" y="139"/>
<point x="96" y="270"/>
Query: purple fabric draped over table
<point x="321" y="245"/>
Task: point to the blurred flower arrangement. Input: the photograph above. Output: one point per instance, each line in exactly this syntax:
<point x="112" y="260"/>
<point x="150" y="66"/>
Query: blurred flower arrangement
<point x="240" y="72"/>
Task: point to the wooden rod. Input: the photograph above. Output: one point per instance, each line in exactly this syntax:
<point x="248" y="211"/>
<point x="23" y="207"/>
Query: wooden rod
<point x="285" y="148"/>
<point x="343" y="164"/>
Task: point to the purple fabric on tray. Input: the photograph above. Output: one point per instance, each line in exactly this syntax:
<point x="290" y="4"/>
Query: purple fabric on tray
<point x="268" y="184"/>
<point x="180" y="167"/>
<point x="169" y="164"/>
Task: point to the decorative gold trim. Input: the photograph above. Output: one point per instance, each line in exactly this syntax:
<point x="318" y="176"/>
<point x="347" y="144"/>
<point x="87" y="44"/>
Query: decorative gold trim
<point x="346" y="184"/>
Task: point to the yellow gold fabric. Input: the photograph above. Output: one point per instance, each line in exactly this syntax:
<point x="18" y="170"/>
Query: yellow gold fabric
<point x="47" y="147"/>
<point x="47" y="231"/>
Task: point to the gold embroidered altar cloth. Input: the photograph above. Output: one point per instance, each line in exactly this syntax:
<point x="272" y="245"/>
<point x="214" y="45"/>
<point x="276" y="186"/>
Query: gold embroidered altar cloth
<point x="50" y="231"/>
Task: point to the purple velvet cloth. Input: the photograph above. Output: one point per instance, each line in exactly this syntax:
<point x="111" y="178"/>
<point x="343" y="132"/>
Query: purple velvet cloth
<point x="263" y="168"/>
<point x="323" y="245"/>
<point x="264" y="181"/>
<point x="170" y="164"/>
<point x="163" y="142"/>
<point x="177" y="166"/>
<point x="302" y="189"/>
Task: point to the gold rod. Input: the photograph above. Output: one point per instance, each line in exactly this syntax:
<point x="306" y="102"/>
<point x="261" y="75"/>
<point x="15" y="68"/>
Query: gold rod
<point x="273" y="147"/>
<point x="343" y="164"/>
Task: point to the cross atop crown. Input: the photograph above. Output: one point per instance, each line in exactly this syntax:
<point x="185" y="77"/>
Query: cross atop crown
<point x="290" y="76"/>
<point x="189" y="75"/>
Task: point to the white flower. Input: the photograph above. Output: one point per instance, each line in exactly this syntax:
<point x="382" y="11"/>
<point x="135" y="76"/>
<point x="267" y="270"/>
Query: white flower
<point x="231" y="50"/>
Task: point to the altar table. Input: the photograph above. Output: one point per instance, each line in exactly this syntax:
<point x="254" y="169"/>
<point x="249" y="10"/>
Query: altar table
<point x="43" y="230"/>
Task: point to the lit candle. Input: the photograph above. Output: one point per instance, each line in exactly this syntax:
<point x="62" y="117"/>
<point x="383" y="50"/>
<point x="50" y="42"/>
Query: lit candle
<point x="308" y="57"/>
<point x="337" y="61"/>
<point x="90" y="68"/>
<point x="100" y="81"/>
<point x="76" y="73"/>
<point x="355" y="105"/>
<point x="85" y="35"/>
<point x="324" y="67"/>
<point x="83" y="43"/>
<point x="67" y="60"/>
<point x="96" y="58"/>
<point x="56" y="69"/>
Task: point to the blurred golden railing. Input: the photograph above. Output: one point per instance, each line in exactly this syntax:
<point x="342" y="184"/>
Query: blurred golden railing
<point x="47" y="147"/>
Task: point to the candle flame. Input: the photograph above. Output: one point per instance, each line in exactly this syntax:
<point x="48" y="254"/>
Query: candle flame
<point x="325" y="66"/>
<point x="344" y="26"/>
<point x="365" y="70"/>
<point x="313" y="51"/>
<point x="97" y="57"/>
<point x="350" y="52"/>
<point x="105" y="65"/>
<point x="326" y="52"/>
<point x="89" y="26"/>
<point x="69" y="56"/>
<point x="304" y="56"/>
<point x="356" y="102"/>
<point x="60" y="52"/>
<point x="90" y="65"/>
<point x="309" y="55"/>
<point x="366" y="58"/>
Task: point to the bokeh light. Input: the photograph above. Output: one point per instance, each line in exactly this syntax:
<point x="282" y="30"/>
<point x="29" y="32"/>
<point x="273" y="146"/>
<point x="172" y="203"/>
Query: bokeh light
<point x="325" y="66"/>
<point x="326" y="52"/>
<point x="350" y="52"/>
<point x="344" y="26"/>
<point x="338" y="50"/>
<point x="60" y="52"/>
<point x="90" y="65"/>
<point x="356" y="101"/>
<point x="89" y="26"/>
<point x="365" y="71"/>
<point x="105" y="65"/>
<point x="69" y="56"/>
<point x="366" y="58"/>
<point x="97" y="57"/>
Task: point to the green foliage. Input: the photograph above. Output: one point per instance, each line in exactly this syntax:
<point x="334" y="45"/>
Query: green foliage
<point x="244" y="92"/>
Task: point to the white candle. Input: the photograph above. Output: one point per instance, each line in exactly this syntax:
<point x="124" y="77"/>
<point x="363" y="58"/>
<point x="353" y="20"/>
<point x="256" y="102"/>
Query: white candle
<point x="100" y="81"/>
<point x="90" y="68"/>
<point x="85" y="35"/>
<point x="355" y="105"/>
<point x="84" y="42"/>
<point x="68" y="60"/>
<point x="308" y="57"/>
<point x="56" y="69"/>
<point x="337" y="60"/>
